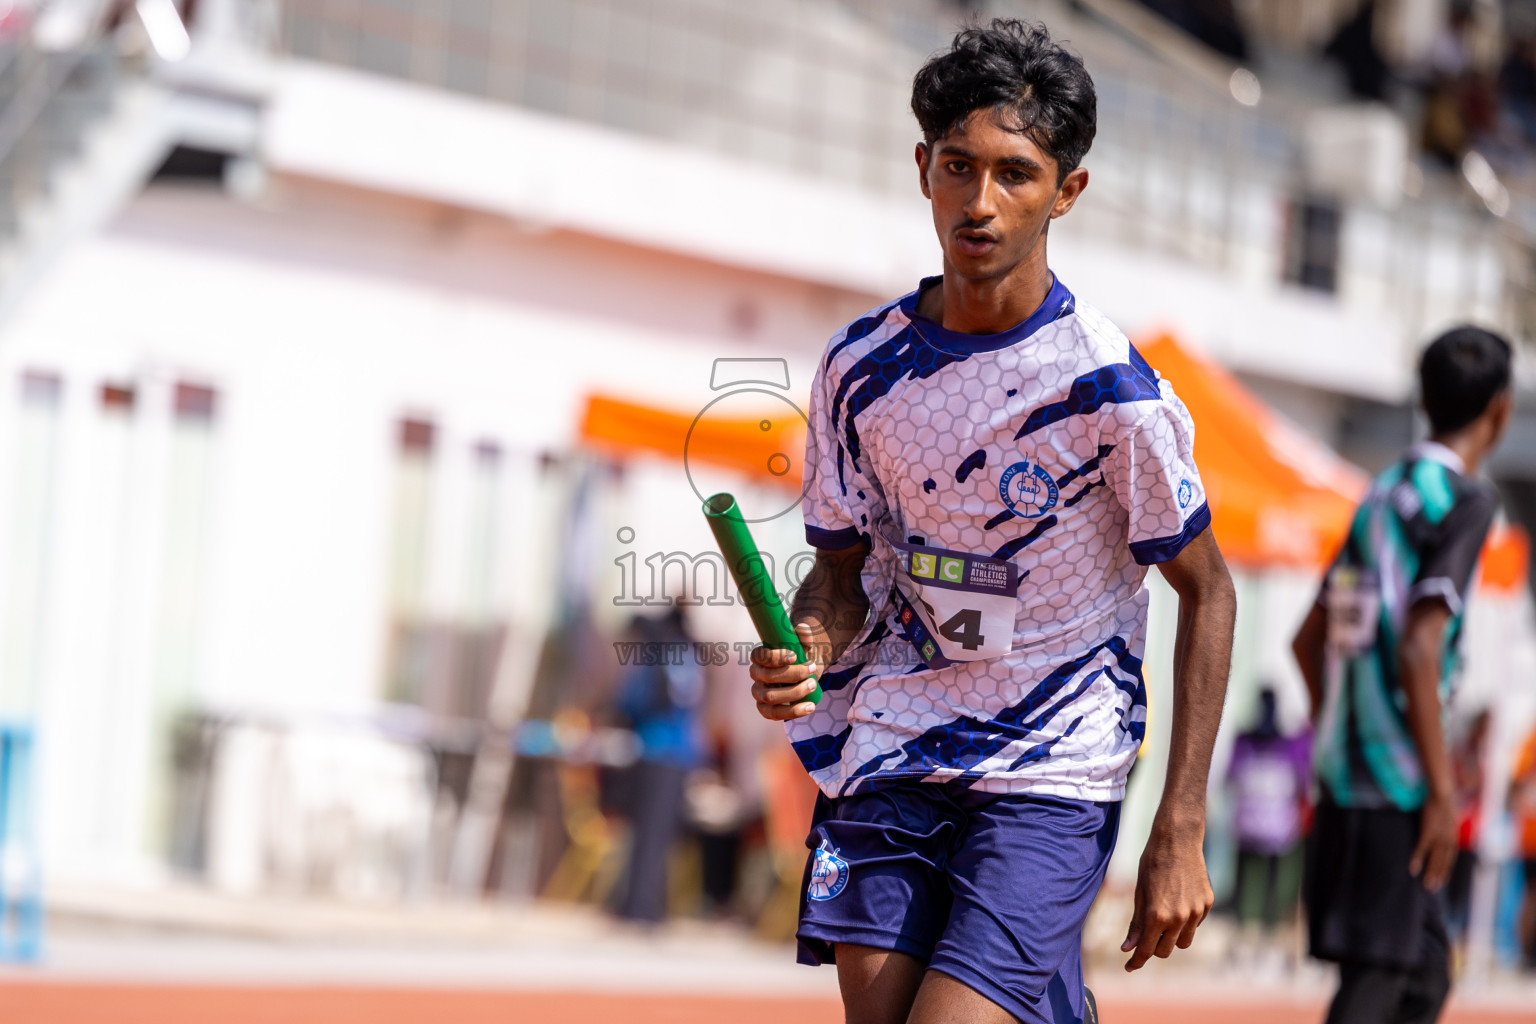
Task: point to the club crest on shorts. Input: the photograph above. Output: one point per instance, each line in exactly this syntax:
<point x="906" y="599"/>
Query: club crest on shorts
<point x="829" y="874"/>
<point x="1186" y="492"/>
<point x="1027" y="489"/>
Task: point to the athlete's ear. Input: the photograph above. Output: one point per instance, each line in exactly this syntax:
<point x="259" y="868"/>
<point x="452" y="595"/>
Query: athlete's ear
<point x="1498" y="413"/>
<point x="1071" y="187"/>
<point x="922" y="155"/>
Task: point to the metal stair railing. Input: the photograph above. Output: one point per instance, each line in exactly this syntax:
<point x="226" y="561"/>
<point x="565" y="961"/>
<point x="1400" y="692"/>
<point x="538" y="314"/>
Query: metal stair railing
<point x="49" y="99"/>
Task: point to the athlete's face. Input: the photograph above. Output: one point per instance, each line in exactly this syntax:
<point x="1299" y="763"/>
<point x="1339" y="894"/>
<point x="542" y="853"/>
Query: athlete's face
<point x="993" y="191"/>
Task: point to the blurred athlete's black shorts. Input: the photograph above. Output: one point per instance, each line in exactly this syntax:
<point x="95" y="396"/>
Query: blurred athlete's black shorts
<point x="1363" y="907"/>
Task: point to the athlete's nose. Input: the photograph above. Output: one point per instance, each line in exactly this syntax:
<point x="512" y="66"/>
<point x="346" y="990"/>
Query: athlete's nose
<point x="981" y="206"/>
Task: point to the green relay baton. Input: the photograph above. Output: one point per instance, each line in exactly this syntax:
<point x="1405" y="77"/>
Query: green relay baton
<point x="752" y="579"/>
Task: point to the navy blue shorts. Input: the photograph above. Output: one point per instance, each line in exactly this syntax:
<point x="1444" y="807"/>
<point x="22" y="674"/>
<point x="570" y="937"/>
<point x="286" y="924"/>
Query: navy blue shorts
<point x="990" y="890"/>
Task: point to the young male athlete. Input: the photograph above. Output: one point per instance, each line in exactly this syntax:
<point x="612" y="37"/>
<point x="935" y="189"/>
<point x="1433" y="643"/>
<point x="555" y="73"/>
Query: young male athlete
<point x="990" y="469"/>
<point x="1379" y="653"/>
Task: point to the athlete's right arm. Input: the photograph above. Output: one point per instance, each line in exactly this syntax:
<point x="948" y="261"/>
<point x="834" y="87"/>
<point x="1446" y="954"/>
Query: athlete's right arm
<point x="828" y="612"/>
<point x="1420" y="656"/>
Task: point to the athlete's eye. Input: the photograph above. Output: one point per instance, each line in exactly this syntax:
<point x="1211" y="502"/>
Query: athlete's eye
<point x="956" y="167"/>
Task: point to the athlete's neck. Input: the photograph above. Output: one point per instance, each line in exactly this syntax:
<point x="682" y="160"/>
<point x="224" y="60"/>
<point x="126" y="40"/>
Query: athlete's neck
<point x="989" y="305"/>
<point x="1468" y="447"/>
<point x="1473" y="442"/>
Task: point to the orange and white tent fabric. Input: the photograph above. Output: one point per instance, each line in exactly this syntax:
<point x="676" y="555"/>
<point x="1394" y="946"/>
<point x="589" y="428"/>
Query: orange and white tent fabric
<point x="1277" y="496"/>
<point x="740" y="444"/>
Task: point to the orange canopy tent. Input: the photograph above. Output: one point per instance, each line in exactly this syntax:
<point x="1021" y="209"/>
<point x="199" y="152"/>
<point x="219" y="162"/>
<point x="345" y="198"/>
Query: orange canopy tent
<point x="730" y="442"/>
<point x="1277" y="496"/>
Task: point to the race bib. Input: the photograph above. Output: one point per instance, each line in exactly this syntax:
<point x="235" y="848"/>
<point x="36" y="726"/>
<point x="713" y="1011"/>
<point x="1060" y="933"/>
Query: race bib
<point x="956" y="606"/>
<point x="1354" y="609"/>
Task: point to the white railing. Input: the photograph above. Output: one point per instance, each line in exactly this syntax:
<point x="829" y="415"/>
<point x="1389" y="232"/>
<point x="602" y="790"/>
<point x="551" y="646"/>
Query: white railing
<point x="1182" y="168"/>
<point x="57" y="77"/>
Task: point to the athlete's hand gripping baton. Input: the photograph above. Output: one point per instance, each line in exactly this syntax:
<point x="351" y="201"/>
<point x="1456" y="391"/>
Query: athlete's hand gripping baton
<point x="753" y="580"/>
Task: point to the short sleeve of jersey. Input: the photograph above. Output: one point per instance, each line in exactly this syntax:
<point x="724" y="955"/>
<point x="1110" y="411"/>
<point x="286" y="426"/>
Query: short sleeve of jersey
<point x="1451" y="550"/>
<point x="1152" y="469"/>
<point x="837" y="499"/>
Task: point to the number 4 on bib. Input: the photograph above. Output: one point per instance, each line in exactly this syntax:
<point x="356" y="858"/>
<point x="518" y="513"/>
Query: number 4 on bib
<point x="964" y="628"/>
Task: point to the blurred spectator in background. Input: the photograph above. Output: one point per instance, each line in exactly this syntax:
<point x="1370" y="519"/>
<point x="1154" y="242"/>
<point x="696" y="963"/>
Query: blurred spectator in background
<point x="715" y="815"/>
<point x="1448" y="61"/>
<point x="660" y="698"/>
<point x="1213" y="22"/>
<point x="1450" y="52"/>
<point x="1517" y="88"/>
<point x="1522" y="805"/>
<point x="1269" y="775"/>
<point x="1459" y="103"/>
<point x="1354" y="47"/>
<point x="1467" y="769"/>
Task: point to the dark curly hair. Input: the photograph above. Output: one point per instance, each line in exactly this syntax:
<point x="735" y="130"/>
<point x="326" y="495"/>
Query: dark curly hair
<point x="1015" y="68"/>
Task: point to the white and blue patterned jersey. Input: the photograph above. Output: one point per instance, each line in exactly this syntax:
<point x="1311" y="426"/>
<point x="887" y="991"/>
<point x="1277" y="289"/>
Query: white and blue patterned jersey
<point x="1052" y="445"/>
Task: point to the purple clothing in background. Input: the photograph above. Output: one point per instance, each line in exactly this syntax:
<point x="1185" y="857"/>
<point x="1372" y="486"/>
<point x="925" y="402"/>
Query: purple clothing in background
<point x="1269" y="775"/>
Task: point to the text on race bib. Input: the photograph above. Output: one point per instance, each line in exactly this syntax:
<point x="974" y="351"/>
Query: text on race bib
<point x="956" y="606"/>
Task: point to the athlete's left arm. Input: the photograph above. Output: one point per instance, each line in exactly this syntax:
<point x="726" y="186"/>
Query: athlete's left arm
<point x="1173" y="892"/>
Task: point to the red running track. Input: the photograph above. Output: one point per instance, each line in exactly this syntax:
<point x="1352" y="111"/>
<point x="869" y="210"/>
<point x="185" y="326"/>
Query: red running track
<point x="54" y="1003"/>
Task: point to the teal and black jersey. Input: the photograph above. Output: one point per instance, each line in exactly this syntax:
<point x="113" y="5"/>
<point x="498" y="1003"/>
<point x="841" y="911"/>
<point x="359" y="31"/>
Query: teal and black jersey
<point x="1415" y="537"/>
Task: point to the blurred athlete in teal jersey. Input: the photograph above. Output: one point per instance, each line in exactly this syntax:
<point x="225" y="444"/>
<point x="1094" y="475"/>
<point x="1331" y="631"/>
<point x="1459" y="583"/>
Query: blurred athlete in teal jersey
<point x="1379" y="651"/>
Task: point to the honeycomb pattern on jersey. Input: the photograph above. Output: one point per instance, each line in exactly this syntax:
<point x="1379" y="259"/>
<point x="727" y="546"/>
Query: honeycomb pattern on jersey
<point x="908" y="440"/>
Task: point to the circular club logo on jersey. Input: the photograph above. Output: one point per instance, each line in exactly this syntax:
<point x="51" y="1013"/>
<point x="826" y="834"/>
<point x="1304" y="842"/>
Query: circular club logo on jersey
<point x="1027" y="489"/>
<point x="1186" y="491"/>
<point x="829" y="875"/>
